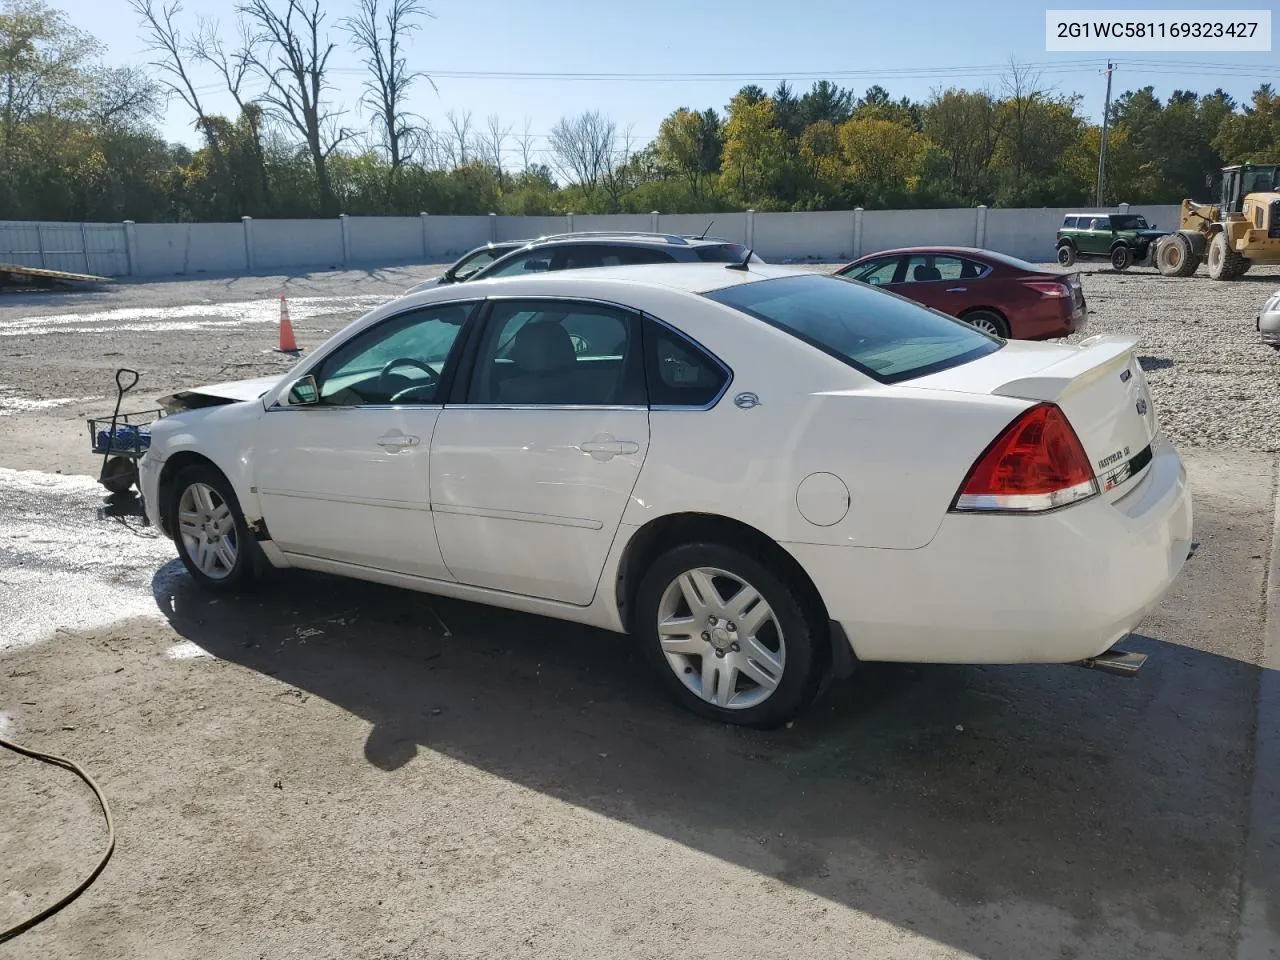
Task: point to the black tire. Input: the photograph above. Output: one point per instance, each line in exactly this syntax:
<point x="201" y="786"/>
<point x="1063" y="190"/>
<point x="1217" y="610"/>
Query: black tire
<point x="982" y="319"/>
<point x="1224" y="263"/>
<point x="806" y="654"/>
<point x="1121" y="257"/>
<point x="119" y="474"/>
<point x="249" y="563"/>
<point x="1174" y="256"/>
<point x="1067" y="255"/>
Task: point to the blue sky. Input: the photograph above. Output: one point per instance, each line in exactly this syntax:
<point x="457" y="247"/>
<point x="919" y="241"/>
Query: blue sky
<point x="910" y="48"/>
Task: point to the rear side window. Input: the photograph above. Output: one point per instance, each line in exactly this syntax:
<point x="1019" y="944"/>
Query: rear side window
<point x="721" y="252"/>
<point x="885" y="336"/>
<point x="678" y="371"/>
<point x="1069" y="223"/>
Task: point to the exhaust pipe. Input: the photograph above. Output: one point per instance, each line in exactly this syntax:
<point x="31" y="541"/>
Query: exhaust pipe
<point x="1122" y="663"/>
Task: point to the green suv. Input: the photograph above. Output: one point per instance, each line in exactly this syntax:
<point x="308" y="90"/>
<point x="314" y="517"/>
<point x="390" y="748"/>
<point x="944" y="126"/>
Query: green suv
<point x="1122" y="238"/>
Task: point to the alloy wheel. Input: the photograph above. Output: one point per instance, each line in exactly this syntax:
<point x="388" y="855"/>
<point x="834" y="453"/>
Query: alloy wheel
<point x="721" y="638"/>
<point x="208" y="530"/>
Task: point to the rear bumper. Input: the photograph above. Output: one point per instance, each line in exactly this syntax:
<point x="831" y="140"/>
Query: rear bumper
<point x="1054" y="588"/>
<point x="1046" y="319"/>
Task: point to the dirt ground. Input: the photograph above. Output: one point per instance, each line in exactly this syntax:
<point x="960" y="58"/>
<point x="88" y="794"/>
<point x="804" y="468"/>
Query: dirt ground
<point x="337" y="769"/>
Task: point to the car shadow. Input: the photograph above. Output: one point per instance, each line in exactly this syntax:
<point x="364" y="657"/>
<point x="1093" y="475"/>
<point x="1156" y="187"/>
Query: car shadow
<point x="931" y="797"/>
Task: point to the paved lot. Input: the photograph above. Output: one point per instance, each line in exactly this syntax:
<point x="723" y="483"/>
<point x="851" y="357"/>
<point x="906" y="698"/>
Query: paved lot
<point x="336" y="769"/>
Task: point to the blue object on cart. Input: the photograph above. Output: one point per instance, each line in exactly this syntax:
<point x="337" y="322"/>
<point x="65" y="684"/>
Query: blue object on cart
<point x="125" y="439"/>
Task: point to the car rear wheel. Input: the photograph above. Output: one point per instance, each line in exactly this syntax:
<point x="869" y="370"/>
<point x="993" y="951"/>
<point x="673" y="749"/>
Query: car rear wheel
<point x="1067" y="255"/>
<point x="1121" y="257"/>
<point x="730" y="638"/>
<point x="210" y="532"/>
<point x="988" y="321"/>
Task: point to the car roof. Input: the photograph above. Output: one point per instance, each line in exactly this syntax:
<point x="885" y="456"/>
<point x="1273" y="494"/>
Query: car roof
<point x="899" y="251"/>
<point x="695" y="278"/>
<point x="1101" y="213"/>
<point x="626" y="238"/>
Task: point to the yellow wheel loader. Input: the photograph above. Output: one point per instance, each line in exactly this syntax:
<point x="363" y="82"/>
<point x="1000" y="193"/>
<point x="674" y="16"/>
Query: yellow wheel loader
<point x="1230" y="236"/>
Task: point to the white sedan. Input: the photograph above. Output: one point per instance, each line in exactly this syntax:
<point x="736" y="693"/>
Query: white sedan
<point x="763" y="474"/>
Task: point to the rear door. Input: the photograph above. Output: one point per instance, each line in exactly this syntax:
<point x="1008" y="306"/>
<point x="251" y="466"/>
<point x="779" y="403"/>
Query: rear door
<point x="534" y="459"/>
<point x="1097" y="239"/>
<point x="939" y="281"/>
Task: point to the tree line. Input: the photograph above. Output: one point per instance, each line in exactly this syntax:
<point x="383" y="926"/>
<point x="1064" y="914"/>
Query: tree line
<point x="79" y="138"/>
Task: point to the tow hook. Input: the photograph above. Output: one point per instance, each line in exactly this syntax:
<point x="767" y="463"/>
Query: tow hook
<point x="1122" y="663"/>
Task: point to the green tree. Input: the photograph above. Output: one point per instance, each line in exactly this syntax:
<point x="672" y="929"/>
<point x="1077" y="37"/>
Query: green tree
<point x="754" y="149"/>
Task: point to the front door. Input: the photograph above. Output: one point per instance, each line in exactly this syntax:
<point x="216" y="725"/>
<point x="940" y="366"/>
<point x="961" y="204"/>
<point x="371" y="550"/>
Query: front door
<point x="532" y="469"/>
<point x="348" y="478"/>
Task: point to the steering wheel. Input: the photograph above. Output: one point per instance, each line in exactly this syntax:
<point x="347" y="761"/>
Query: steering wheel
<point x="384" y="386"/>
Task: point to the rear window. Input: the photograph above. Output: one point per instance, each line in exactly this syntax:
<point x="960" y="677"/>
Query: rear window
<point x="721" y="252"/>
<point x="885" y="336"/>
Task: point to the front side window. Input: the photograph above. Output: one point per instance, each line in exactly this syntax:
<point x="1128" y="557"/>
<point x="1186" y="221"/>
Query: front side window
<point x="558" y="353"/>
<point x="877" y="272"/>
<point x="473" y="264"/>
<point x="401" y="360"/>
<point x="888" y="337"/>
<point x="518" y="264"/>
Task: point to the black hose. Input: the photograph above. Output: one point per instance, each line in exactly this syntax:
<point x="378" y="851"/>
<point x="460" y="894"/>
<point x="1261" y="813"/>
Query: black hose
<point x="45" y="914"/>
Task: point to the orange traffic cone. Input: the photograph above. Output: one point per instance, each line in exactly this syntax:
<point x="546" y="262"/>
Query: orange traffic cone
<point x="287" y="343"/>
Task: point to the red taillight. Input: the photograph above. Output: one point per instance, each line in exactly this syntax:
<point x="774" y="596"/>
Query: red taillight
<point x="1036" y="464"/>
<point x="1050" y="289"/>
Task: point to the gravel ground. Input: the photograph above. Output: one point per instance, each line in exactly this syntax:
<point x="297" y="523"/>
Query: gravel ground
<point x="1214" y="383"/>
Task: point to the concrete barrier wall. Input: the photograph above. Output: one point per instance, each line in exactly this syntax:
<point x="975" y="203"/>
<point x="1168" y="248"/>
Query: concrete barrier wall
<point x="161" y="249"/>
<point x="297" y="243"/>
<point x="730" y="226"/>
<point x="450" y="237"/>
<point x="384" y="239"/>
<point x="526" y="228"/>
<point x="801" y="236"/>
<point x="885" y="229"/>
<point x="164" y="249"/>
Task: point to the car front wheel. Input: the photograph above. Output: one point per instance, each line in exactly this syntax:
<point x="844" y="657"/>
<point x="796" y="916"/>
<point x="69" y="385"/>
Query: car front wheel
<point x="1121" y="258"/>
<point x="210" y="532"/>
<point x="731" y="640"/>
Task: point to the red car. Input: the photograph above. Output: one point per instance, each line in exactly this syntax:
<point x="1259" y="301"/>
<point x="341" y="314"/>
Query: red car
<point x="998" y="294"/>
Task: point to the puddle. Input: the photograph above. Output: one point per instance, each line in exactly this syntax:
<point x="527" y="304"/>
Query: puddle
<point x="62" y="569"/>
<point x="11" y="403"/>
<point x="190" y="316"/>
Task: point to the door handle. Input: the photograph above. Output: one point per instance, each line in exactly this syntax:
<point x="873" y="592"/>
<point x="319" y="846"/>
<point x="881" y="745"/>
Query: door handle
<point x="956" y="289"/>
<point x="605" y="447"/>
<point x="397" y="441"/>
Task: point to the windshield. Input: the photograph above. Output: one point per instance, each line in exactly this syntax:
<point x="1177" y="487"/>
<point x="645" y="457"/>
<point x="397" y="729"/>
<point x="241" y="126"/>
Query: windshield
<point x="885" y="336"/>
<point x="1128" y="222"/>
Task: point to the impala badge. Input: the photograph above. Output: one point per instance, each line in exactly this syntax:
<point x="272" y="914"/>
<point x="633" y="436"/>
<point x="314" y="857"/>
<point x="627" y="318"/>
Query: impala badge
<point x="1142" y="407"/>
<point x="745" y="401"/>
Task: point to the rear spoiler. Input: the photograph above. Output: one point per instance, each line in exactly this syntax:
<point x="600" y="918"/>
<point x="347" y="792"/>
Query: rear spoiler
<point x="1098" y="355"/>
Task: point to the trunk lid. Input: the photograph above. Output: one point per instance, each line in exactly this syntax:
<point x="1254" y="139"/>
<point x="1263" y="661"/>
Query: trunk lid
<point x="1098" y="384"/>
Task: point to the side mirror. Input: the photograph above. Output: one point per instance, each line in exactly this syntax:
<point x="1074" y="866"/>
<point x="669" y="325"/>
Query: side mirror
<point x="304" y="392"/>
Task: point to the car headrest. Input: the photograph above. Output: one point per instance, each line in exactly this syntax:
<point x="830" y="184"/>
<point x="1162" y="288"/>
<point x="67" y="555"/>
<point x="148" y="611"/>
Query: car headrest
<point x="923" y="272"/>
<point x="543" y="347"/>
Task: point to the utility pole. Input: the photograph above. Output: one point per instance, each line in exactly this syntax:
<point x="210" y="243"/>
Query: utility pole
<point x="1102" y="146"/>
